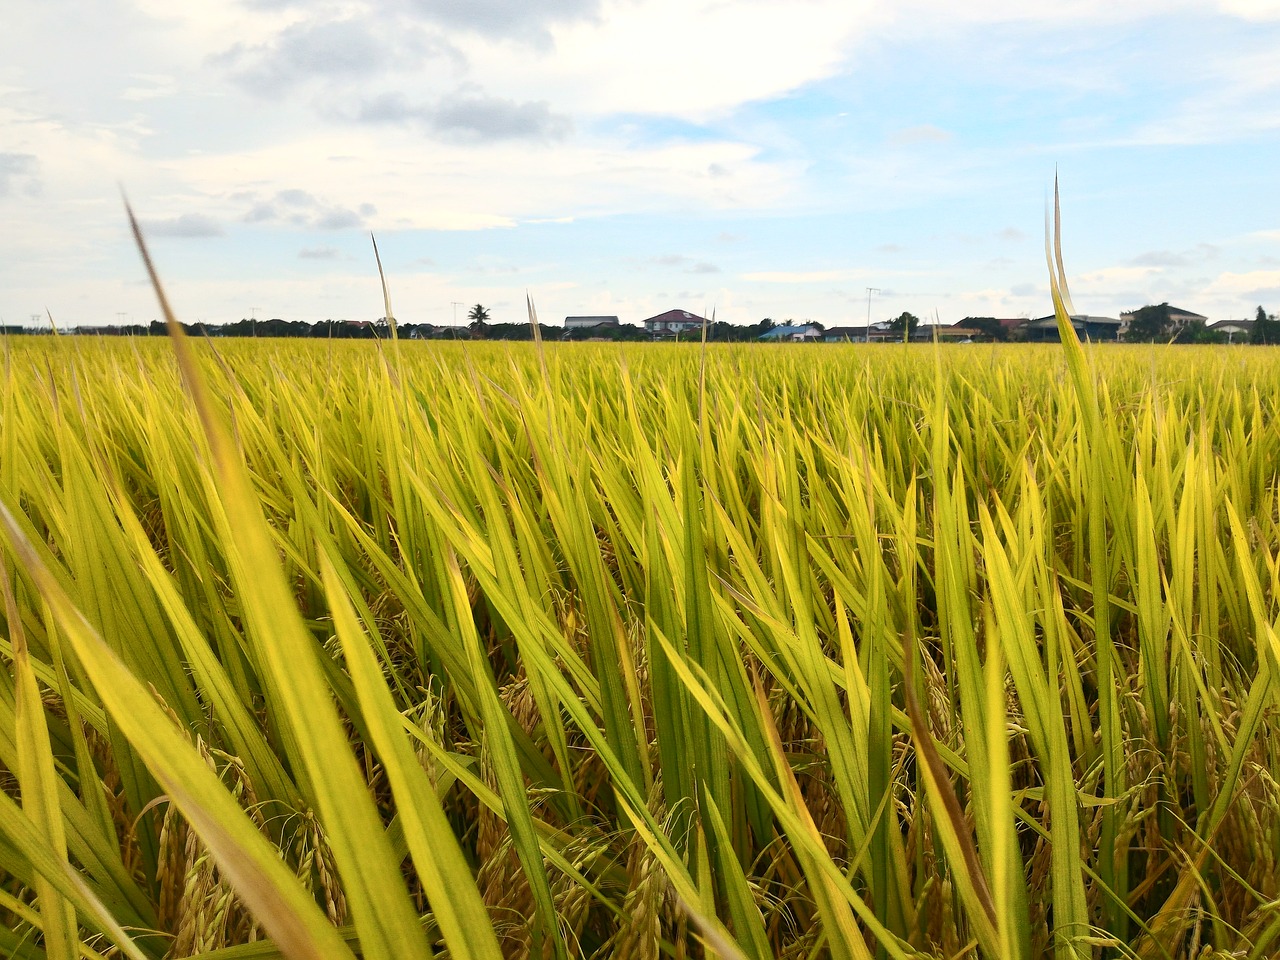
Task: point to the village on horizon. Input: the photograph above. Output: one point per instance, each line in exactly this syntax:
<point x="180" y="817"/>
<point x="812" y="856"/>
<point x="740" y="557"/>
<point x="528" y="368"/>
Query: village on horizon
<point x="1153" y="323"/>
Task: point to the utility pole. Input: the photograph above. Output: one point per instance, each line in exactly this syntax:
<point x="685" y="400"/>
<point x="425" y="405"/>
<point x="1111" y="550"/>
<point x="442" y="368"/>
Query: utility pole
<point x="253" y="320"/>
<point x="456" y="304"/>
<point x="870" y="291"/>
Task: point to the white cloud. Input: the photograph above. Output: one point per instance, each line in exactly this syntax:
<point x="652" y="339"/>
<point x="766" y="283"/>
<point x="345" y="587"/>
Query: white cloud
<point x="15" y="169"/>
<point x="519" y="20"/>
<point x="469" y="115"/>
<point x="319" y="253"/>
<point x="1112" y="276"/>
<point x="1246" y="285"/>
<point x="471" y="189"/>
<point x="1170" y="259"/>
<point x="339" y="219"/>
<point x="797" y="276"/>
<point x="915" y="136"/>
<point x="183" y="226"/>
<point x="686" y="264"/>
<point x="688" y="58"/>
<point x="150" y="87"/>
<point x="331" y="50"/>
<point x="935" y="14"/>
<point x="1251" y="9"/>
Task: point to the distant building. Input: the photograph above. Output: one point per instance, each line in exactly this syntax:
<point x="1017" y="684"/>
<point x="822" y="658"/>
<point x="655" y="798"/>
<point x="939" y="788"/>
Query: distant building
<point x="1236" y="331"/>
<point x="583" y="323"/>
<point x="793" y="333"/>
<point x="674" y="321"/>
<point x="842" y="334"/>
<point x="1178" y="319"/>
<point x="1045" y="329"/>
<point x="991" y="328"/>
<point x="880" y="332"/>
<point x="443" y="331"/>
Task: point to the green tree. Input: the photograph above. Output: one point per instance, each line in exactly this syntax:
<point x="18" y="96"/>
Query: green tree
<point x="905" y="323"/>
<point x="989" y="327"/>
<point x="1266" y="329"/>
<point x="1195" y="331"/>
<point x="479" y="317"/>
<point x="1150" y="324"/>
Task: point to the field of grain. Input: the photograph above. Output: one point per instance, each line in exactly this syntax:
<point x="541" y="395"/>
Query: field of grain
<point x="486" y="651"/>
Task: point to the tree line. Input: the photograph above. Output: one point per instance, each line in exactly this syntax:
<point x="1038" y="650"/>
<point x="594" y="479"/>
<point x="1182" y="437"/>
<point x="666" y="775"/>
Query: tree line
<point x="1150" y="324"/>
<point x="1155" y="324"/>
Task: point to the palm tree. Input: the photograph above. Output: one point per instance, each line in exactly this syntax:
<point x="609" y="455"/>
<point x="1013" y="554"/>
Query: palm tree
<point x="479" y="317"/>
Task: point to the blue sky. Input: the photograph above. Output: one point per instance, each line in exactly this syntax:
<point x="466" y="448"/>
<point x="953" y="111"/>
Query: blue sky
<point x="631" y="156"/>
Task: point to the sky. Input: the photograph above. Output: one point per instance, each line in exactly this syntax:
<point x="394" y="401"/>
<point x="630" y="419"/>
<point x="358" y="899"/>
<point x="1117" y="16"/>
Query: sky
<point x="627" y="157"/>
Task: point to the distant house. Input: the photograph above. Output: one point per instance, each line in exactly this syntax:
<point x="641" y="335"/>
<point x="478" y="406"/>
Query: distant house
<point x="443" y="331"/>
<point x="1045" y="329"/>
<point x="1233" y="330"/>
<point x="842" y="334"/>
<point x="793" y="333"/>
<point x="672" y="322"/>
<point x="984" y="328"/>
<point x="584" y="323"/>
<point x="1178" y="319"/>
<point x="879" y="333"/>
<point x="928" y="332"/>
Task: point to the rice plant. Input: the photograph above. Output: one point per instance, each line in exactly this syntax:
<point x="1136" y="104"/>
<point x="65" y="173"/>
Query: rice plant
<point x="495" y="650"/>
